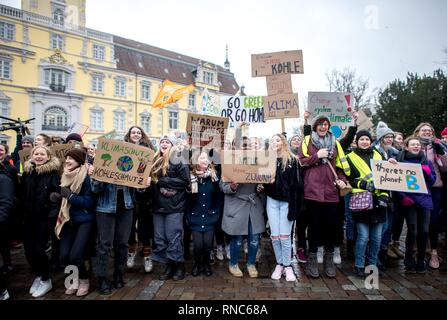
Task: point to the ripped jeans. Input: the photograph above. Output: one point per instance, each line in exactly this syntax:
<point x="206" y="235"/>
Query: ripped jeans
<point x="236" y="243"/>
<point x="280" y="230"/>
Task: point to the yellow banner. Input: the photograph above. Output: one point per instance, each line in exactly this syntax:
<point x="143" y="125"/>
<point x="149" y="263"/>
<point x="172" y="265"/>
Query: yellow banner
<point x="170" y="93"/>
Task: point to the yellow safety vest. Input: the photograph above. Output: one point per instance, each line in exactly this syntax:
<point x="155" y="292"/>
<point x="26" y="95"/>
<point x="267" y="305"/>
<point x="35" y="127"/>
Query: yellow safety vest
<point x="365" y="170"/>
<point x="340" y="160"/>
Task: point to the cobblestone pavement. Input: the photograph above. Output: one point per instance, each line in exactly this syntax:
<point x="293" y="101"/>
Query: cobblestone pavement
<point x="394" y="284"/>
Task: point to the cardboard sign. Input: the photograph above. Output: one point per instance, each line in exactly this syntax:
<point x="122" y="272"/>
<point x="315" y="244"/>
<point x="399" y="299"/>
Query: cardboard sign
<point x="334" y="105"/>
<point x="281" y="106"/>
<point x="206" y="131"/>
<point x="24" y="155"/>
<point x="363" y="122"/>
<point x="109" y="135"/>
<point x="79" y="128"/>
<point x="122" y="163"/>
<point x="248" y="166"/>
<point x="275" y="63"/>
<point x="242" y="109"/>
<point x="405" y="177"/>
<point x="60" y="150"/>
<point x="210" y="103"/>
<point x="279" y="84"/>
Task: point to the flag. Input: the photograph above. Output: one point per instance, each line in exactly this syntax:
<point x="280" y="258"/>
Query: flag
<point x="170" y="93"/>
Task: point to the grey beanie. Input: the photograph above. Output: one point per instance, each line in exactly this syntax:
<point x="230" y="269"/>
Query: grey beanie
<point x="171" y="139"/>
<point x="28" y="138"/>
<point x="382" y="130"/>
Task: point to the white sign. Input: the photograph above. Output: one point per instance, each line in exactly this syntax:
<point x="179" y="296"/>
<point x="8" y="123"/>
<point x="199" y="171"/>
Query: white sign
<point x="242" y="109"/>
<point x="334" y="105"/>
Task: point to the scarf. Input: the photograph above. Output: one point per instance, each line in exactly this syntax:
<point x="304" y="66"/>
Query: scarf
<point x="73" y="179"/>
<point x="405" y="155"/>
<point x="200" y="175"/>
<point x="328" y="141"/>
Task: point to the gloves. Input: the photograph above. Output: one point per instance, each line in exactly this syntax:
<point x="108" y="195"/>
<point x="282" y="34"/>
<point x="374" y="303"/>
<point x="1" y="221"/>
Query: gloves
<point x="407" y="202"/>
<point x="426" y="169"/>
<point x="65" y="192"/>
<point x="438" y="148"/>
<point x="55" y="197"/>
<point x="383" y="201"/>
<point x="367" y="185"/>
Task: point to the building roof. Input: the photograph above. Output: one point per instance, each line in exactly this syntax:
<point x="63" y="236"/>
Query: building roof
<point x="150" y="61"/>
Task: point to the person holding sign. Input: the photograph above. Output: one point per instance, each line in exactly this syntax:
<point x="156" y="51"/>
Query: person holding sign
<point x="371" y="216"/>
<point x="320" y="191"/>
<point x="284" y="201"/>
<point x="170" y="183"/>
<point x="435" y="152"/>
<point x="40" y="178"/>
<point x="417" y="207"/>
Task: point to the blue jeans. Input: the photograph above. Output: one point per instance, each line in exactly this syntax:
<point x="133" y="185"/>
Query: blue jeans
<point x="387" y="228"/>
<point x="350" y="224"/>
<point x="280" y="230"/>
<point x="253" y="245"/>
<point x="371" y="233"/>
<point x="168" y="236"/>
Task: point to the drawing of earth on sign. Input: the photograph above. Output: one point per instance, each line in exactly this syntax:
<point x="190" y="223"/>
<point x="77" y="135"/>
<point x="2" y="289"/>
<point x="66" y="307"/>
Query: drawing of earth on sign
<point x="124" y="163"/>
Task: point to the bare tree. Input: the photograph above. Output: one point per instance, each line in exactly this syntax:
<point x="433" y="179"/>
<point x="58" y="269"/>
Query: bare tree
<point x="347" y="81"/>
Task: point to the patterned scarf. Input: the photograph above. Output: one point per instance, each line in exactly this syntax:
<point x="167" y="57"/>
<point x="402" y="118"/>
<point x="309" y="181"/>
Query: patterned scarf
<point x="328" y="141"/>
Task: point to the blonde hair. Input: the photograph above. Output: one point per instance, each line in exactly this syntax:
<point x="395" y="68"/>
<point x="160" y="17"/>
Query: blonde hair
<point x="423" y="124"/>
<point x="195" y="165"/>
<point x="161" y="164"/>
<point x="286" y="155"/>
<point x="47" y="150"/>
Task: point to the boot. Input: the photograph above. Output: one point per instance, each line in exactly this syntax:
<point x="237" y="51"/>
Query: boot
<point x="104" y="286"/>
<point x="196" y="267"/>
<point x="207" y="265"/>
<point x="312" y="266"/>
<point x="118" y="281"/>
<point x="179" y="272"/>
<point x="328" y="264"/>
<point x="169" y="271"/>
<point x="383" y="262"/>
<point x="350" y="250"/>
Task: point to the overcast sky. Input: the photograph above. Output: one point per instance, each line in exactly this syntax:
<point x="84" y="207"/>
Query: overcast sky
<point x="381" y="40"/>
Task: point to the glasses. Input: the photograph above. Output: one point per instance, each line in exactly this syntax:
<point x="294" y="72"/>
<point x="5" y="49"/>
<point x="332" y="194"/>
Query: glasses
<point x="426" y="130"/>
<point x="389" y="137"/>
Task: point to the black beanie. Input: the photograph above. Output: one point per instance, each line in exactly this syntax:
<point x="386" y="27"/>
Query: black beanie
<point x="73" y="136"/>
<point x="78" y="154"/>
<point x="362" y="133"/>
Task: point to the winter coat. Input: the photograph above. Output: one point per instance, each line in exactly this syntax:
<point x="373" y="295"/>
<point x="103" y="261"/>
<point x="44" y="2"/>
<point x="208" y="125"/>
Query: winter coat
<point x="204" y="207"/>
<point x="287" y="187"/>
<point x="37" y="183"/>
<point x="82" y="205"/>
<point x="240" y="206"/>
<point x="439" y="162"/>
<point x="107" y="196"/>
<point x="422" y="199"/>
<point x="169" y="192"/>
<point x="7" y="194"/>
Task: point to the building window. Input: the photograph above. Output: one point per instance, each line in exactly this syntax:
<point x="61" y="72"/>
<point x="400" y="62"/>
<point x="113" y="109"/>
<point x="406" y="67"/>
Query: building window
<point x="7" y="31"/>
<point x="145" y="122"/>
<point x="99" y="52"/>
<point x="57" y="41"/>
<point x="120" y="87"/>
<point x="192" y="100"/>
<point x="97" y="83"/>
<point x="145" y="90"/>
<point x="57" y="80"/>
<point x="119" y="121"/>
<point x="97" y="119"/>
<point x="5" y="69"/>
<point x="58" y="16"/>
<point x="55" y="119"/>
<point x="4" y="108"/>
<point x="208" y="77"/>
<point x="173" y="120"/>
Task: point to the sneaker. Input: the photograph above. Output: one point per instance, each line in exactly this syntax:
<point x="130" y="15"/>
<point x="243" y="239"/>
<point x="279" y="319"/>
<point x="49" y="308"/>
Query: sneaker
<point x="391" y="253"/>
<point x="220" y="253"/>
<point x="4" y="295"/>
<point x="148" y="264"/>
<point x="227" y="250"/>
<point x="434" y="260"/>
<point x="235" y="271"/>
<point x="84" y="286"/>
<point x="44" y="288"/>
<point x="290" y="275"/>
<point x="212" y="259"/>
<point x="301" y="255"/>
<point x="131" y="259"/>
<point x="337" y="256"/>
<point x="421" y="267"/>
<point x="252" y="271"/>
<point x="35" y="285"/>
<point x="359" y="272"/>
<point x="276" y="275"/>
<point x="396" y="248"/>
<point x="72" y="289"/>
<point x="320" y="255"/>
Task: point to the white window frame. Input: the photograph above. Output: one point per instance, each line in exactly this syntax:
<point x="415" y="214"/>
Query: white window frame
<point x="97" y="118"/>
<point x="57" y="41"/>
<point x="99" y="52"/>
<point x="7" y="31"/>
<point x="119" y="120"/>
<point x="5" y="108"/>
<point x="120" y="87"/>
<point x="5" y="68"/>
<point x="208" y="77"/>
<point x="62" y="119"/>
<point x="57" y="77"/>
<point x="173" y="119"/>
<point x="58" y="15"/>
<point x="98" y="83"/>
<point x="145" y="122"/>
<point x="145" y="90"/>
<point x="192" y="100"/>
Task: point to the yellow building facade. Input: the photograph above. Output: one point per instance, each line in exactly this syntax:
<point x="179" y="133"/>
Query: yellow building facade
<point x="54" y="69"/>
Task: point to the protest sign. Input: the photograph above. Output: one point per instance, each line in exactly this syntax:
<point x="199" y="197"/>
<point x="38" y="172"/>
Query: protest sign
<point x="210" y="103"/>
<point x="274" y="63"/>
<point x="122" y="163"/>
<point x="248" y="166"/>
<point x="206" y="131"/>
<point x="281" y="84"/>
<point x="60" y="150"/>
<point x="248" y="109"/>
<point x="363" y="122"/>
<point x="78" y="128"/>
<point x="334" y="105"/>
<point x="405" y="177"/>
<point x="24" y="155"/>
<point x="281" y="106"/>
